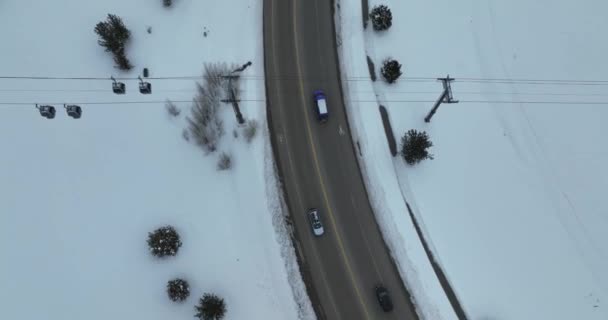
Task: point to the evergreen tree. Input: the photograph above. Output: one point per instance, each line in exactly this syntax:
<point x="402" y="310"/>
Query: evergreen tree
<point x="167" y="3"/>
<point x="381" y="17"/>
<point x="164" y="242"/>
<point x="210" y="307"/>
<point x="121" y="61"/>
<point x="414" y="146"/>
<point x="391" y="70"/>
<point x="178" y="290"/>
<point x="113" y="34"/>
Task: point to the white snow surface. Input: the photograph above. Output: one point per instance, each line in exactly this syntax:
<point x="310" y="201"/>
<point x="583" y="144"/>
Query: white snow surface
<point x="512" y="203"/>
<point x="78" y="197"/>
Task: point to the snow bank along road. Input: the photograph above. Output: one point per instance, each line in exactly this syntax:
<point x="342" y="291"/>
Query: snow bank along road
<point x="319" y="168"/>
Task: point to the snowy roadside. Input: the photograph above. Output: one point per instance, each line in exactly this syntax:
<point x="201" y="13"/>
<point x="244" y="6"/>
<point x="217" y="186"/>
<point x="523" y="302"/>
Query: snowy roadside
<point x="79" y="196"/>
<point x="278" y="209"/>
<point x="377" y="168"/>
<point x="512" y="201"/>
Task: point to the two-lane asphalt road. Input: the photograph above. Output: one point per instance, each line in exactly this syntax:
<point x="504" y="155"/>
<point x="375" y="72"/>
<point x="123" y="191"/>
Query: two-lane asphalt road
<point x="319" y="168"/>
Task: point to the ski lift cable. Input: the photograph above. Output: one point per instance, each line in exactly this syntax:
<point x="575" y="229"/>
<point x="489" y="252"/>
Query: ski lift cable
<point x="354" y="91"/>
<point x="263" y="100"/>
<point x="570" y="82"/>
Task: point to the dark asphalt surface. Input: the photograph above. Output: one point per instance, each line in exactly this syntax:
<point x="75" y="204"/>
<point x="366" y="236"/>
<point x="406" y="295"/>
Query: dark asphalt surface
<point x="319" y="169"/>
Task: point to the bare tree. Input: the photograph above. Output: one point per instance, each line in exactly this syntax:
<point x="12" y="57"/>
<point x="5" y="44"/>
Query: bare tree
<point x="186" y="135"/>
<point x="215" y="76"/>
<point x="204" y="123"/>
<point x="205" y="126"/>
<point x="172" y="109"/>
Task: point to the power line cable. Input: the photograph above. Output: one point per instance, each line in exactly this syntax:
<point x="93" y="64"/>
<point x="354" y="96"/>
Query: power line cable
<point x="549" y="83"/>
<point x="355" y="91"/>
<point x="570" y="82"/>
<point x="263" y="100"/>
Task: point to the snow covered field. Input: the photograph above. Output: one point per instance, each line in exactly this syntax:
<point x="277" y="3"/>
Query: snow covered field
<point x="512" y="202"/>
<point x="78" y="197"/>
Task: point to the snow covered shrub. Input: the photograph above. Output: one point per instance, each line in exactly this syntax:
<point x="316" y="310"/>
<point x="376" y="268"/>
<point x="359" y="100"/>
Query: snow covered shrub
<point x="225" y="162"/>
<point x="251" y="128"/>
<point x="167" y="3"/>
<point x="391" y="70"/>
<point x="172" y="109"/>
<point x="178" y="290"/>
<point x="414" y="146"/>
<point x="381" y="17"/>
<point x="164" y="242"/>
<point x="210" y="307"/>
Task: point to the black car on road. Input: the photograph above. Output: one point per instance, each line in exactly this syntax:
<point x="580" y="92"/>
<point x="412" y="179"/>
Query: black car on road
<point x="384" y="298"/>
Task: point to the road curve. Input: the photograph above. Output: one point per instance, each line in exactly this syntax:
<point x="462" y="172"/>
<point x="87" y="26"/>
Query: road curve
<point x="319" y="168"/>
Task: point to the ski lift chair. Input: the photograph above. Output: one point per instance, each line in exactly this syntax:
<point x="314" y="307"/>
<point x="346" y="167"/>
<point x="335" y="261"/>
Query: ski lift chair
<point x="73" y="111"/>
<point x="118" y="87"/>
<point x="46" y="111"/>
<point x="144" y="87"/>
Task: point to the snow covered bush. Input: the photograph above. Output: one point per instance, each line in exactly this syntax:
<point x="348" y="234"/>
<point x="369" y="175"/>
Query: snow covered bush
<point x="414" y="146"/>
<point x="250" y="130"/>
<point x="114" y="36"/>
<point x="178" y="290"/>
<point x="225" y="162"/>
<point x="381" y="17"/>
<point x="167" y="3"/>
<point x="210" y="307"/>
<point x="391" y="70"/>
<point x="164" y="242"/>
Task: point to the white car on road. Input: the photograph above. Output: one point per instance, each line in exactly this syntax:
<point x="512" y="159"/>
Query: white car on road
<point x="315" y="222"/>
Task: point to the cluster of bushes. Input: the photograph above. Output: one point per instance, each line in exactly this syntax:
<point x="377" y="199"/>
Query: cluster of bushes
<point x="165" y="242"/>
<point x="382" y="19"/>
<point x="114" y="36"/>
<point x="414" y="144"/>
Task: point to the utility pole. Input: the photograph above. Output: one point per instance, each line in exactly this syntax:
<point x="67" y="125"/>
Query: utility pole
<point x="445" y="97"/>
<point x="233" y="100"/>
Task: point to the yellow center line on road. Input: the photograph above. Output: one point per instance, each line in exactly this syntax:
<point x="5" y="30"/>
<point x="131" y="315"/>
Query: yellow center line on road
<point x="317" y="167"/>
<point x="291" y="164"/>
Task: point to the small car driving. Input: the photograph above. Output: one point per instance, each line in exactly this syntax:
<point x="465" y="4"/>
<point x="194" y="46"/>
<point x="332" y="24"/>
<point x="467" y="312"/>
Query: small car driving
<point x="384" y="299"/>
<point x="315" y="222"/>
<point x="320" y="106"/>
